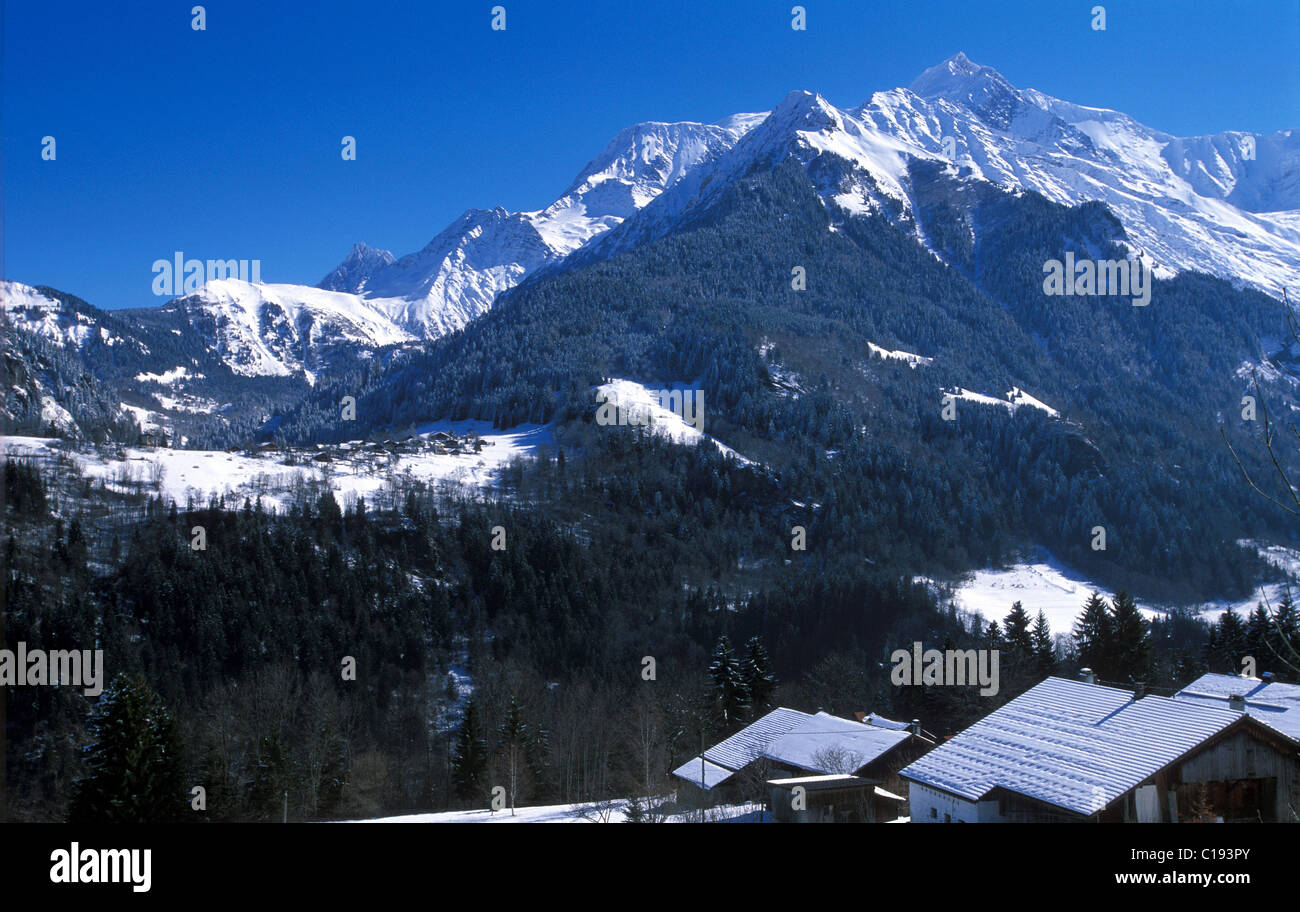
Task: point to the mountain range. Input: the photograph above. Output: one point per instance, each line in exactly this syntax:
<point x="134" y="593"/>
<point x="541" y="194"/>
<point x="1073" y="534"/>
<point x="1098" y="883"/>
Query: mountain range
<point x="1227" y="205"/>
<point x="920" y="222"/>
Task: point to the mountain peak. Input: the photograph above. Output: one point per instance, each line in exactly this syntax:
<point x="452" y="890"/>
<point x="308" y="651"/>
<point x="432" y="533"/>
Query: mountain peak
<point x="806" y="110"/>
<point x="964" y="82"/>
<point x="357" y="267"/>
<point x="960" y="79"/>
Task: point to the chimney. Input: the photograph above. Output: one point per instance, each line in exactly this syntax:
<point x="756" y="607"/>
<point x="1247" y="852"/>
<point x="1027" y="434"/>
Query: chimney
<point x="1139" y="690"/>
<point x="916" y="726"/>
<point x="1267" y="677"/>
<point x="1086" y="674"/>
<point x="1237" y="702"/>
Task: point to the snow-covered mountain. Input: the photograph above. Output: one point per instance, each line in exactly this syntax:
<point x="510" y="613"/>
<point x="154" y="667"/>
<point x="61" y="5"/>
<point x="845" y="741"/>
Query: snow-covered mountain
<point x="371" y="299"/>
<point x="279" y="330"/>
<point x="357" y="268"/>
<point x="460" y="272"/>
<point x="1192" y="204"/>
<point x="36" y="312"/>
<point x="1200" y="203"/>
<point x="1227" y="204"/>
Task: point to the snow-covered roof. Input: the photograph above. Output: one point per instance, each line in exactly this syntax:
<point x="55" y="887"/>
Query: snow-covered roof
<point x="1273" y="703"/>
<point x="703" y="773"/>
<point x="1073" y="745"/>
<point x="811" y="743"/>
<point x="881" y="722"/>
<point x="748" y="744"/>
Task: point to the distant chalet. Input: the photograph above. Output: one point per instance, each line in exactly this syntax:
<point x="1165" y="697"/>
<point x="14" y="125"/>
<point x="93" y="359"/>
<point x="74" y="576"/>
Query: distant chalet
<point x="842" y="765"/>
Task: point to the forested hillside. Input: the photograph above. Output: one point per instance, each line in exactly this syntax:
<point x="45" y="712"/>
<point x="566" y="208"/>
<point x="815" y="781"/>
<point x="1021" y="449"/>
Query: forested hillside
<point x="789" y="378"/>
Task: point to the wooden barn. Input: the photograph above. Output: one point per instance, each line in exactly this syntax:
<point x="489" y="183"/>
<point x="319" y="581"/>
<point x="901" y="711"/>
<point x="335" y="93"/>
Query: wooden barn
<point x="836" y="798"/>
<point x="1071" y="751"/>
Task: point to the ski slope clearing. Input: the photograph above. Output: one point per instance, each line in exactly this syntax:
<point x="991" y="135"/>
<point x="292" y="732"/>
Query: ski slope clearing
<point x="1012" y="399"/>
<point x="639" y="404"/>
<point x="898" y="355"/>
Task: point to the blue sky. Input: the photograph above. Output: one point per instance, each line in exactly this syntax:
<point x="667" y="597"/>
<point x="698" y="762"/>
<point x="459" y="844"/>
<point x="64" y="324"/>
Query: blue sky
<point x="225" y="143"/>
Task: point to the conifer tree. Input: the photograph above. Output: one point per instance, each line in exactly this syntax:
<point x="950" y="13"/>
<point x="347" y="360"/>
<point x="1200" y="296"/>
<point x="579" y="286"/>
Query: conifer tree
<point x="1017" y="664"/>
<point x="1093" y="636"/>
<point x="512" y="742"/>
<point x="1285" y="640"/>
<point x="470" y="765"/>
<point x="1044" y="647"/>
<point x="757" y="673"/>
<point x="729" y="691"/>
<point x="1131" y="640"/>
<point x="134" y="772"/>
<point x="1228" y="644"/>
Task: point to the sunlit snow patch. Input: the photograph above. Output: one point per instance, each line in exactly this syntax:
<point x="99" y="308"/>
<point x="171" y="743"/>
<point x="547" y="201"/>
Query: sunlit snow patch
<point x="642" y="403"/>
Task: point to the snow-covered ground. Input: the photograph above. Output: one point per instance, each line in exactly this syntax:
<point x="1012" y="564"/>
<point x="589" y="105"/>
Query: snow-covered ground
<point x="195" y="474"/>
<point x="1059" y="592"/>
<point x="641" y="404"/>
<point x="185" y="475"/>
<point x="1046" y="586"/>
<point x="568" y="813"/>
<point x="898" y="355"/>
<point x="1011" y="400"/>
<point x="1285" y="559"/>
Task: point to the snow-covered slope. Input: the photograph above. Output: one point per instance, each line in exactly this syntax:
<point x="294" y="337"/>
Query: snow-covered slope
<point x="356" y="269"/>
<point x="276" y="330"/>
<point x="27" y="308"/>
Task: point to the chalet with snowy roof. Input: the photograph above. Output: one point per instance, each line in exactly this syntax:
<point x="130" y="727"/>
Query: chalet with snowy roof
<point x="1271" y="702"/>
<point x="787" y="743"/>
<point x="1074" y="751"/>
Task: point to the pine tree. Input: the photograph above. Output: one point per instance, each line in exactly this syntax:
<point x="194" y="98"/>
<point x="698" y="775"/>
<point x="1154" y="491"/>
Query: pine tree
<point x="1018" y="666"/>
<point x="757" y="673"/>
<point x="1044" y="647"/>
<point x="134" y="772"/>
<point x="728" y="683"/>
<point x="993" y="636"/>
<point x="1229" y="643"/>
<point x="635" y="812"/>
<point x="1093" y="634"/>
<point x="470" y="765"/>
<point x="1132" y="642"/>
<point x="1285" y="641"/>
<point x="1259" y="631"/>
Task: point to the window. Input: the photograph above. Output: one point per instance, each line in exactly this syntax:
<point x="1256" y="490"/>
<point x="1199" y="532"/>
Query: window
<point x="934" y="813"/>
<point x="947" y="818"/>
